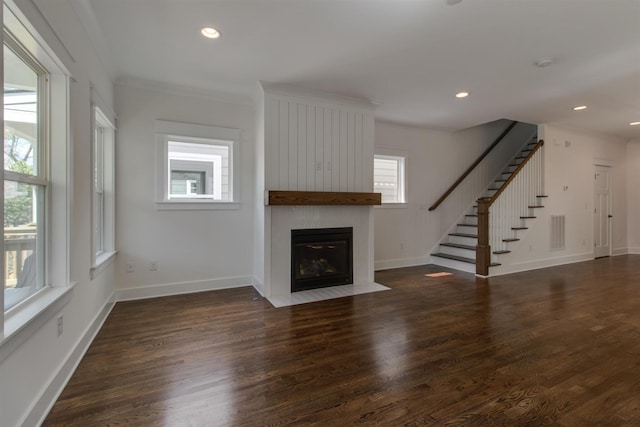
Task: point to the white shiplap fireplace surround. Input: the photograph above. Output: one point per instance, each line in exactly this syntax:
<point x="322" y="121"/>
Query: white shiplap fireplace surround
<point x="310" y="142"/>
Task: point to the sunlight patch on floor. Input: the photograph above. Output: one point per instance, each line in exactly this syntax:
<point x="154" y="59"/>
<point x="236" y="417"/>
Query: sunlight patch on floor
<point x="441" y="274"/>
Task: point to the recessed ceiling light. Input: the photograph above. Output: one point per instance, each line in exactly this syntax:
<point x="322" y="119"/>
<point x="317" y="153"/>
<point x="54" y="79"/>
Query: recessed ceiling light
<point x="544" y="62"/>
<point x="462" y="94"/>
<point x="634" y="123"/>
<point x="580" y="107"/>
<point x="210" y="32"/>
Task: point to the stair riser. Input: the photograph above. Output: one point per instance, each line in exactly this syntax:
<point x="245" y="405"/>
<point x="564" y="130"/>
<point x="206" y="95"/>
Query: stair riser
<point x="466" y="253"/>
<point x="456" y="265"/>
<point x="467" y="230"/>
<point x="471" y="220"/>
<point x="464" y="240"/>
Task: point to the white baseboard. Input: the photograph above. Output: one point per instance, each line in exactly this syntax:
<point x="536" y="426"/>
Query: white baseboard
<point x="619" y="251"/>
<point x="258" y="285"/>
<point x="542" y="263"/>
<point x="41" y="407"/>
<point x="166" y="289"/>
<point x="633" y="250"/>
<point x="400" y="263"/>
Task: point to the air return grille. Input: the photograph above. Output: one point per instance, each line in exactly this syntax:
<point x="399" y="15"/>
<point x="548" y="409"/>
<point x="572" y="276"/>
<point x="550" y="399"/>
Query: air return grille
<point x="557" y="232"/>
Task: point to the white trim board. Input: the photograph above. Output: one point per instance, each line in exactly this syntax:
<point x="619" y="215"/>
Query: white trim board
<point x="401" y="263"/>
<point x="538" y="264"/>
<point x="178" y="288"/>
<point x="50" y="393"/>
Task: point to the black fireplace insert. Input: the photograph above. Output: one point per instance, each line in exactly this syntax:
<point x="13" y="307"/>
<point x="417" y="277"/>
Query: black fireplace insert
<point x="321" y="257"/>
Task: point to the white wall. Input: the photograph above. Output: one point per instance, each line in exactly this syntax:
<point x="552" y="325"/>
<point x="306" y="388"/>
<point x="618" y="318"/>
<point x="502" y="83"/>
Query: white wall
<point x="31" y="375"/>
<point x="406" y="235"/>
<point x="569" y="158"/>
<point x="196" y="249"/>
<point x="633" y="196"/>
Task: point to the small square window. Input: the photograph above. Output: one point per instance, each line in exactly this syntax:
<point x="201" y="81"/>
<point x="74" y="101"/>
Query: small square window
<point x="389" y="178"/>
<point x="198" y="165"/>
<point x="198" y="171"/>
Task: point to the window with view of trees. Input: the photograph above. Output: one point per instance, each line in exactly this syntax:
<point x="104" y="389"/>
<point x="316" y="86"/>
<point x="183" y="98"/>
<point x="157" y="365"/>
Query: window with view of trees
<point x="25" y="183"/>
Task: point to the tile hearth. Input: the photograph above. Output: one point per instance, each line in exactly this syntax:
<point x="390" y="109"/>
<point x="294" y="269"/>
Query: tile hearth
<point x="324" y="294"/>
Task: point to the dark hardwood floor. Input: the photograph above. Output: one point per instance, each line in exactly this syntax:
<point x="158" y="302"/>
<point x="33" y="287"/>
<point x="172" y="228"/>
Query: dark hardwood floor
<point x="552" y="347"/>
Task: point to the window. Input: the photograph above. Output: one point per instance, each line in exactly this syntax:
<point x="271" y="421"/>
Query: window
<point x="389" y="178"/>
<point x="103" y="229"/>
<point x="198" y="170"/>
<point x="25" y="183"/>
<point x="198" y="165"/>
<point x="35" y="200"/>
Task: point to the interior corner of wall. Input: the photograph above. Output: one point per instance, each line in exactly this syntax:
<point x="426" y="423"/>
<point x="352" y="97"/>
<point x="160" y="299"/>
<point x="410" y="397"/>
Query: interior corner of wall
<point x="542" y="129"/>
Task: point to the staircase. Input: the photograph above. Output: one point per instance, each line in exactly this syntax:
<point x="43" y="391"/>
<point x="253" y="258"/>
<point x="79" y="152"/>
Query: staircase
<point x="458" y="249"/>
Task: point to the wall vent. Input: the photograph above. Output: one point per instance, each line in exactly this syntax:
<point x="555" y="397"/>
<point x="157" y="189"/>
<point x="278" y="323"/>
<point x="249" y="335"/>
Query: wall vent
<point x="557" y="232"/>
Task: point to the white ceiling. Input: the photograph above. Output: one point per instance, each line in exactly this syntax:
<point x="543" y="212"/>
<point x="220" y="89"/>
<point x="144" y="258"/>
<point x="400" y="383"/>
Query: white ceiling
<point x="408" y="56"/>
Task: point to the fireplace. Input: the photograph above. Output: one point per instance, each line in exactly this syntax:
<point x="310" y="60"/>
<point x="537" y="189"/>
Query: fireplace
<point x="321" y="257"/>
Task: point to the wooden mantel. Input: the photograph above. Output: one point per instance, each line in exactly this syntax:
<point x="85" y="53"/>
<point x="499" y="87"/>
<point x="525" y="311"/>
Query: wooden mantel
<point x="275" y="197"/>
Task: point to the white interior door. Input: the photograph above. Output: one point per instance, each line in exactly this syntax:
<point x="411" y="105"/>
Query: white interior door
<point x="602" y="211"/>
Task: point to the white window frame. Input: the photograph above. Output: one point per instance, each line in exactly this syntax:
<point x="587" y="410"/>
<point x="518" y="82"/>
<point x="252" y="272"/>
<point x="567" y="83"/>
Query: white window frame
<point x="103" y="184"/>
<point x="24" y="319"/>
<point x="187" y="132"/>
<point x="402" y="157"/>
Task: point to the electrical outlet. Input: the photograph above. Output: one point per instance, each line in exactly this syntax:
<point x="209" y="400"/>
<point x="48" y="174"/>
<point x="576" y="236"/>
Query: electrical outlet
<point x="130" y="267"/>
<point x="153" y="266"/>
<point x="60" y="325"/>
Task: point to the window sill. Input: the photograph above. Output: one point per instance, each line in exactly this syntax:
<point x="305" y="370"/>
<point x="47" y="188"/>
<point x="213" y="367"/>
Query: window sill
<point x="25" y="319"/>
<point x="392" y="206"/>
<point x="195" y="205"/>
<point x="103" y="260"/>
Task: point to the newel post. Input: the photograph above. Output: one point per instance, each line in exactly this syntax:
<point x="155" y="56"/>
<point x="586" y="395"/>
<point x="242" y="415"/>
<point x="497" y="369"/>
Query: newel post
<point x="483" y="249"/>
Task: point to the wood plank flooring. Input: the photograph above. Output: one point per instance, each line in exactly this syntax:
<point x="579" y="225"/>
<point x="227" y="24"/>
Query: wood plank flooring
<point x="553" y="347"/>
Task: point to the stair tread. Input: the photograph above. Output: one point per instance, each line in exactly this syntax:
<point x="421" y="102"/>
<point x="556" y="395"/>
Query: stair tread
<point x="473" y="215"/>
<point x="528" y="217"/>
<point x="495" y="264"/>
<point x="511" y="240"/>
<point x="501" y="252"/>
<point x="455" y="257"/>
<point x="536" y="206"/>
<point x="474" y="236"/>
<point x="459" y="246"/>
<point x="542" y="195"/>
<point x="519" y="228"/>
<point x="500" y="180"/>
<point x="469" y="225"/>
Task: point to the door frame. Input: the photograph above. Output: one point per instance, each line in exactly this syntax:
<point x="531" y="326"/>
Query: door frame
<point x="600" y="164"/>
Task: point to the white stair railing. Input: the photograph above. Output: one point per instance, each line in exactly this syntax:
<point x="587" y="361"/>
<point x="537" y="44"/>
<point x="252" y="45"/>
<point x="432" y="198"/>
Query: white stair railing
<point x="501" y="215"/>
